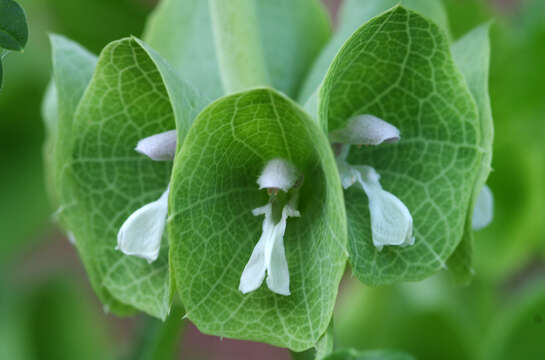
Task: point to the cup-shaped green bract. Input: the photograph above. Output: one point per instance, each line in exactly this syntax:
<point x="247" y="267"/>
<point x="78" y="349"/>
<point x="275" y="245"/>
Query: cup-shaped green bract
<point x="399" y="67"/>
<point x="212" y="230"/>
<point x="133" y="94"/>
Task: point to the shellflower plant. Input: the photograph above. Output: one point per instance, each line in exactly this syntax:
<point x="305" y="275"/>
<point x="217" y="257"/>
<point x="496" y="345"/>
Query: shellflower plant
<point x="239" y="156"/>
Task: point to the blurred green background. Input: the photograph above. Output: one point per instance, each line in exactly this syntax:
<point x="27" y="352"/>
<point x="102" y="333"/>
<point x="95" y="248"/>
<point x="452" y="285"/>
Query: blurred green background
<point x="48" y="311"/>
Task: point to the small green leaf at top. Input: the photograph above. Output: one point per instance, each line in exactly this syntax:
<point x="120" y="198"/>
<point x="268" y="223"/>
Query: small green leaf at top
<point x="13" y="26"/>
<point x="351" y="354"/>
<point x="398" y="67"/>
<point x="213" y="231"/>
<point x="291" y="34"/>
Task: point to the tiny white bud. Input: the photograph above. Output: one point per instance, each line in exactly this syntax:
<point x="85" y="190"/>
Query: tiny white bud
<point x="140" y="235"/>
<point x="365" y="130"/>
<point x="278" y="174"/>
<point x="484" y="209"/>
<point x="159" y="147"/>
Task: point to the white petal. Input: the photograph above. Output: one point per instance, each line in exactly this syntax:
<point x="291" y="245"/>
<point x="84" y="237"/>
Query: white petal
<point x="140" y="235"/>
<point x="484" y="209"/>
<point x="391" y="221"/>
<point x="278" y="174"/>
<point x="269" y="255"/>
<point x="254" y="271"/>
<point x="278" y="276"/>
<point x="365" y="130"/>
<point x="159" y="147"/>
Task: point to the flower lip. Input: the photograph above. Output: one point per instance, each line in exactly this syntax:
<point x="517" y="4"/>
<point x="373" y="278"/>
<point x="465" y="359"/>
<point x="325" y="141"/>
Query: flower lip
<point x="391" y="221"/>
<point x="159" y="147"/>
<point x="269" y="256"/>
<point x="365" y="130"/>
<point x="140" y="235"/>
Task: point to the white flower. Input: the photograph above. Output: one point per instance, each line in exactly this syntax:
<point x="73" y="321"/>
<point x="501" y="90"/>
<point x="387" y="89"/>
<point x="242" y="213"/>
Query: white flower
<point x="159" y="147"/>
<point x="365" y="130"/>
<point x="391" y="221"/>
<point x="269" y="256"/>
<point x="140" y="235"/>
<point x="277" y="174"/>
<point x="484" y="209"/>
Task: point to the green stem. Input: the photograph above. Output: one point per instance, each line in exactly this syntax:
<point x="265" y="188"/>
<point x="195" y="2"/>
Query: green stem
<point x="161" y="339"/>
<point x="238" y="47"/>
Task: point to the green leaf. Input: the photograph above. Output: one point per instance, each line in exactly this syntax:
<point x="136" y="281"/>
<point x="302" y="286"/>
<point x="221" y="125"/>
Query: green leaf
<point x="213" y="231"/>
<point x="240" y="54"/>
<point x="1" y="74"/>
<point x="73" y="67"/>
<point x="351" y="354"/>
<point x="181" y="31"/>
<point x="411" y="81"/>
<point x="352" y="15"/>
<point x="293" y="33"/>
<point x="133" y="94"/>
<point x="13" y="26"/>
<point x="472" y="55"/>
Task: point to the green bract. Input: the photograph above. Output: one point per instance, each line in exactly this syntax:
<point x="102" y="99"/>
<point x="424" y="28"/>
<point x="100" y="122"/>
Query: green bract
<point x="133" y="94"/>
<point x="221" y="79"/>
<point x="213" y="193"/>
<point x="472" y="55"/>
<point x="411" y="81"/>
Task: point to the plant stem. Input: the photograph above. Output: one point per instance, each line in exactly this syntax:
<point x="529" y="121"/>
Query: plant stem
<point x="238" y="46"/>
<point x="160" y="339"/>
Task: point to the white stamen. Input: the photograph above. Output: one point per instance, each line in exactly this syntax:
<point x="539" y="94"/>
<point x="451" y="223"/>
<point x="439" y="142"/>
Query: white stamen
<point x="365" y="130"/>
<point x="278" y="174"/>
<point x="269" y="254"/>
<point x="484" y="209"/>
<point x="159" y="147"/>
<point x="140" y="235"/>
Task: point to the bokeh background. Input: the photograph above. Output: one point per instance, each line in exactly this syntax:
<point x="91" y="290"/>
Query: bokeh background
<point x="48" y="311"/>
